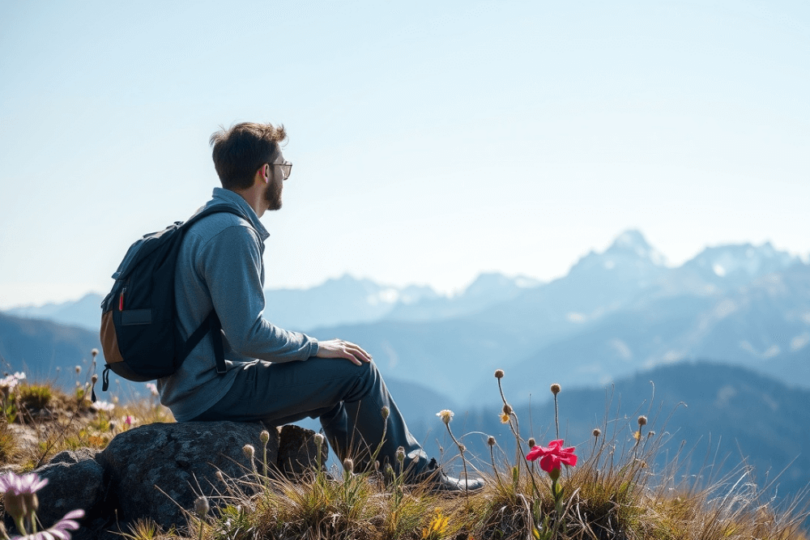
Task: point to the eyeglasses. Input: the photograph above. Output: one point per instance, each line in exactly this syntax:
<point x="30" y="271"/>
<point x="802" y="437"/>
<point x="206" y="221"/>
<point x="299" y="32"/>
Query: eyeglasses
<point x="286" y="169"/>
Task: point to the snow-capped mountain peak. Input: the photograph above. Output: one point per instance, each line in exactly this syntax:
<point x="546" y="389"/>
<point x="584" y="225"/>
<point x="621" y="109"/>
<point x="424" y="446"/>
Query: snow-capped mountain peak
<point x="742" y="260"/>
<point x="632" y="242"/>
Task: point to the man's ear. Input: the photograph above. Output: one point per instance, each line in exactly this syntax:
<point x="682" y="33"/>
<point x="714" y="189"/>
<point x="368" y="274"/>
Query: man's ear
<point x="263" y="173"/>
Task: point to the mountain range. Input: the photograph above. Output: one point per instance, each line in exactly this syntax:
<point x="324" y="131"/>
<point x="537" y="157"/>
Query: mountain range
<point x="615" y="313"/>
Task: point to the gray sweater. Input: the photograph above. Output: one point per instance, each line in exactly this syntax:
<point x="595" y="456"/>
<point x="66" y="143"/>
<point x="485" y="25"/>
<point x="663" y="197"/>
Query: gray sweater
<point x="220" y="267"/>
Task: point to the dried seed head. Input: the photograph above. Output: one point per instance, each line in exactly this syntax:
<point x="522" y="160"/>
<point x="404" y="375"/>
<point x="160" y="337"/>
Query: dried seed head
<point x="401" y="454"/>
<point x="532" y="442"/>
<point x="249" y="451"/>
<point x="642" y="420"/>
<point x="348" y="465"/>
<point x="318" y="439"/>
<point x="94" y="378"/>
<point x="94" y="352"/>
<point x="499" y="374"/>
<point x="78" y="369"/>
<point x="597" y="432"/>
<point x="555" y="388"/>
<point x="201" y="507"/>
<point x="491" y="440"/>
<point x="264" y="436"/>
<point x="220" y="476"/>
<point x="507" y="409"/>
<point x="650" y="434"/>
<point x="462" y="448"/>
<point x="385" y="411"/>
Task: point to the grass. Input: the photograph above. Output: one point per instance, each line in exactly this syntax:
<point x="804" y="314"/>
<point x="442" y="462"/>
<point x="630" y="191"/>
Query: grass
<point x="611" y="493"/>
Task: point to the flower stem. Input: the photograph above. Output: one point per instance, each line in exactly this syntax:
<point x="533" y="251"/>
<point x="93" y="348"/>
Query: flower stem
<point x="463" y="461"/>
<point x="556" y="416"/>
<point x="20" y="525"/>
<point x="494" y="468"/>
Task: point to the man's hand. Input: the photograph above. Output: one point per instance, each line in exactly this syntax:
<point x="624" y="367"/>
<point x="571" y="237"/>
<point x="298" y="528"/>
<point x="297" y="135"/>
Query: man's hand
<point x="337" y="348"/>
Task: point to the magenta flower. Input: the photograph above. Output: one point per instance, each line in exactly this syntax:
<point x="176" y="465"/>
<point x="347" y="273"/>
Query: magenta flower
<point x="552" y="456"/>
<point x="59" y="530"/>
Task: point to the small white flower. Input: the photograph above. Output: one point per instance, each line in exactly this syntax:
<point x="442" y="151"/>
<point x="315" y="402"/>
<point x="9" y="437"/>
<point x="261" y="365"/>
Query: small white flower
<point x="19" y="375"/>
<point x="103" y="406"/>
<point x="152" y="387"/>
<point x="446" y="415"/>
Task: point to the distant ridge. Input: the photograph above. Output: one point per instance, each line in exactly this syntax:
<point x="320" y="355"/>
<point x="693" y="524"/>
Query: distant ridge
<point x="616" y="312"/>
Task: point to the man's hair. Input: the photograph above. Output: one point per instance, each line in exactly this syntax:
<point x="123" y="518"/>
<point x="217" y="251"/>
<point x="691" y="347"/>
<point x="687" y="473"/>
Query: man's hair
<point x="242" y="149"/>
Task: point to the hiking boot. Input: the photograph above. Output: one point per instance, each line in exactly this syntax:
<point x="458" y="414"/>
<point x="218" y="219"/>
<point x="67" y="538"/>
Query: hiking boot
<point x="437" y="480"/>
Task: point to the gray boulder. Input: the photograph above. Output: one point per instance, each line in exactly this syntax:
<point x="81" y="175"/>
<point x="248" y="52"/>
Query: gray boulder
<point x="158" y="470"/>
<point x="75" y="481"/>
<point x="72" y="483"/>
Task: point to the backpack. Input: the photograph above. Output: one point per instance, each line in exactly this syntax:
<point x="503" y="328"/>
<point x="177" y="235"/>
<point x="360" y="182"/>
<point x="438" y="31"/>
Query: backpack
<point x="139" y="331"/>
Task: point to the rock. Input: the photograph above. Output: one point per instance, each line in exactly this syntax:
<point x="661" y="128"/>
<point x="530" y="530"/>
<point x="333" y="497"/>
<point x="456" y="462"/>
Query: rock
<point x="158" y="470"/>
<point x="74" y="456"/>
<point x="297" y="451"/>
<point x="11" y="467"/>
<point x="73" y="483"/>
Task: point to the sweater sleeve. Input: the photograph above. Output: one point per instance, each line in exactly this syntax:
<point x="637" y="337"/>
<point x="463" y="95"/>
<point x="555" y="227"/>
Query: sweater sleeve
<point x="231" y="264"/>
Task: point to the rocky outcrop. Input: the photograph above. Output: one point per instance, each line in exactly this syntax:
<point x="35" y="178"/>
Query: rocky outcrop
<point x="157" y="471"/>
<point x="75" y="480"/>
<point x="160" y="469"/>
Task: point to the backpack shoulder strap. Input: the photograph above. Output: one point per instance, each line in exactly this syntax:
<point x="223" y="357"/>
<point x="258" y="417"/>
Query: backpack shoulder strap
<point x="211" y="324"/>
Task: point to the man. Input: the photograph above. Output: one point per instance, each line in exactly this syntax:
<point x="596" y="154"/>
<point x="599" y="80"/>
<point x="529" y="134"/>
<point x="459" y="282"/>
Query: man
<point x="272" y="375"/>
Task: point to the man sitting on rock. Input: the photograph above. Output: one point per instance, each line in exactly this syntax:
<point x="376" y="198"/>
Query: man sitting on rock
<point x="273" y="375"/>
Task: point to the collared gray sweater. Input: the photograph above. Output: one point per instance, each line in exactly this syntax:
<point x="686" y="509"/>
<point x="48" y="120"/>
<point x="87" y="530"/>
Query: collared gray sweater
<point x="220" y="267"/>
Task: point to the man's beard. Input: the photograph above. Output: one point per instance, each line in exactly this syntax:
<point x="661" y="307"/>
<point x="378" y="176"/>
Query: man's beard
<point x="273" y="195"/>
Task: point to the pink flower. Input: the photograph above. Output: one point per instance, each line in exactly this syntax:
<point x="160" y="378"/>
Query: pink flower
<point x="552" y="456"/>
<point x="27" y="484"/>
<point x="129" y="420"/>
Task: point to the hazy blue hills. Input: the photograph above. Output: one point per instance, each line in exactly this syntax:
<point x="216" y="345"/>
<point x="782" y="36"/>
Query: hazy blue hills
<point x="487" y="290"/>
<point x="40" y="347"/>
<point x="345" y="300"/>
<point x="84" y="312"/>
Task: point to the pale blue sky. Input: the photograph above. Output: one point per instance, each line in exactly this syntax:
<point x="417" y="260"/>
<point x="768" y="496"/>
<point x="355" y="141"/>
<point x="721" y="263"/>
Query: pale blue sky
<point x="431" y="141"/>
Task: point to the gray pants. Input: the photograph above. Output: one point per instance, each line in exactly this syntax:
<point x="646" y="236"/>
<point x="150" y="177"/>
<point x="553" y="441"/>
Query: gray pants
<point x="348" y="400"/>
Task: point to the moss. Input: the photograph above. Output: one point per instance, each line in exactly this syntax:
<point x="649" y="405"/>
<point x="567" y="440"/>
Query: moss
<point x="35" y="396"/>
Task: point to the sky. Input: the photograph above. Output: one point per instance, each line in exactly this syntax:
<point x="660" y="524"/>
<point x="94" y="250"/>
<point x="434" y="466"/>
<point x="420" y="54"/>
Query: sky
<point x="431" y="141"/>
